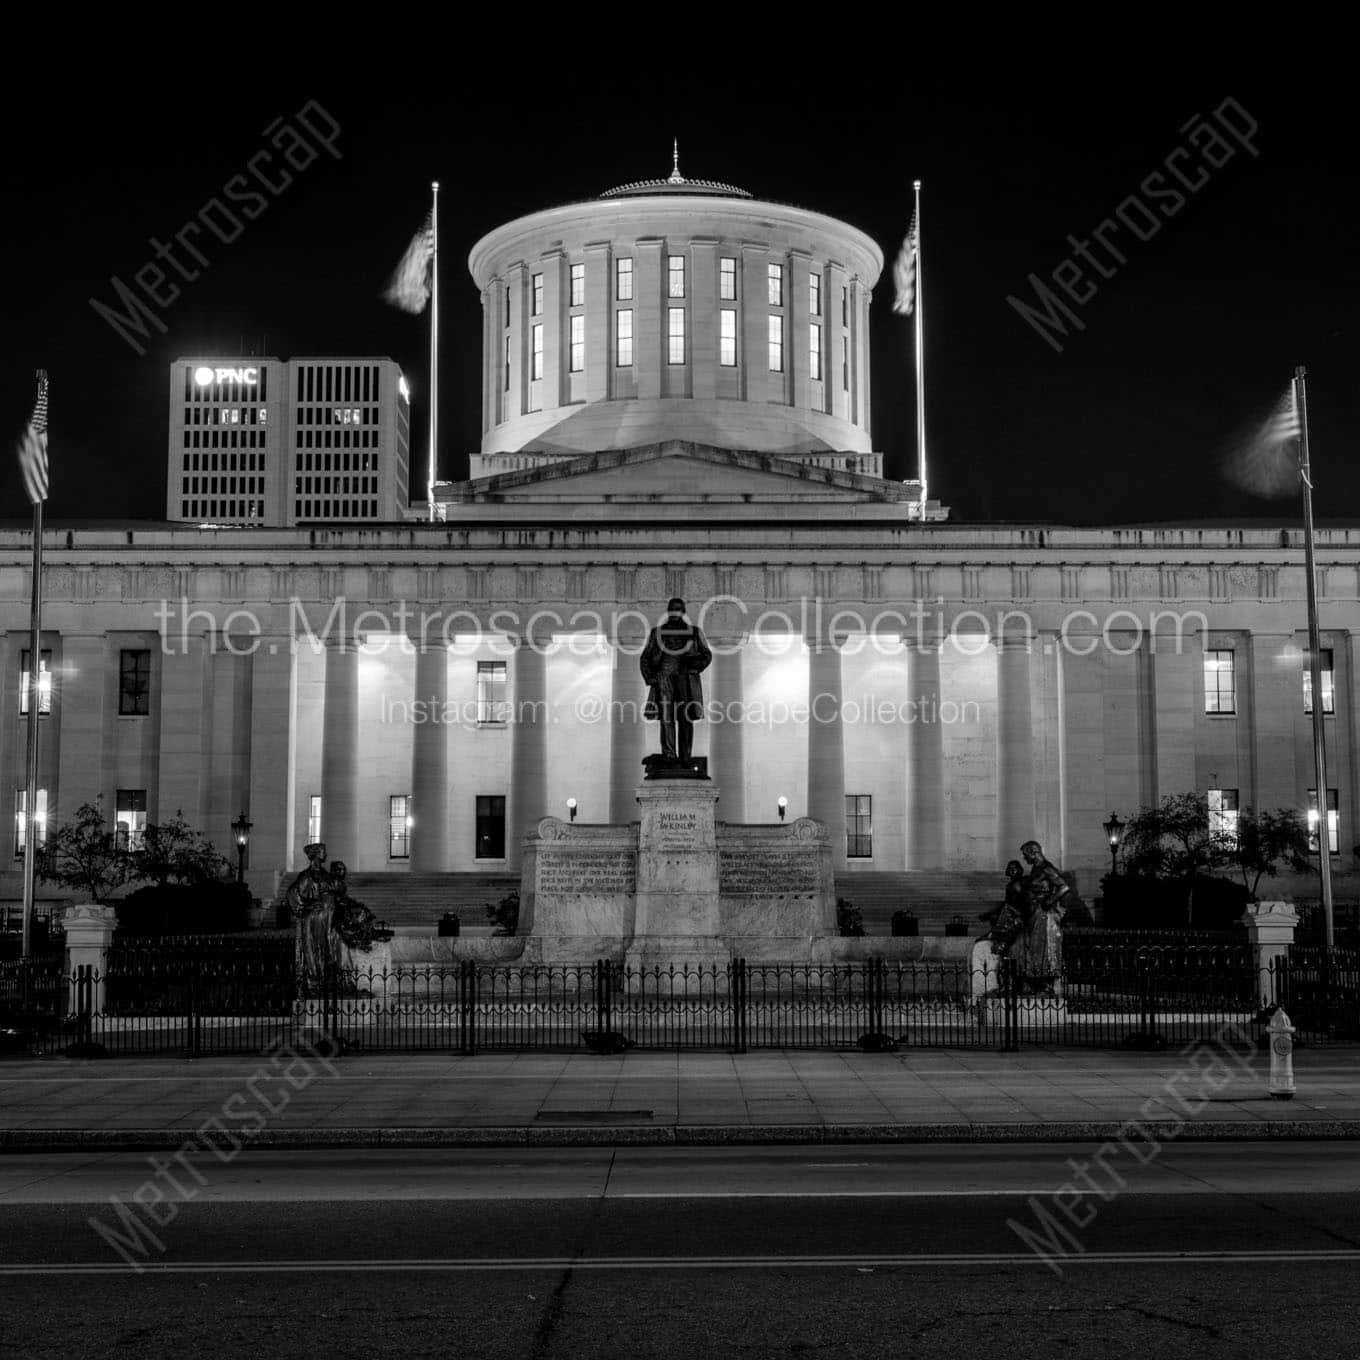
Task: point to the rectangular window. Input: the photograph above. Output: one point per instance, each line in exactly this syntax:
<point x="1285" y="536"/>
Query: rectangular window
<point x="578" y="344"/>
<point x="776" y="284"/>
<point x="1220" y="682"/>
<point x="21" y="819"/>
<point x="507" y="363"/>
<point x="492" y="707"/>
<point x="507" y="304"/>
<point x="727" y="337"/>
<point x="845" y="365"/>
<point x="814" y="295"/>
<point x="1223" y="809"/>
<point x="399" y="826"/>
<point x="727" y="278"/>
<point x="776" y="344"/>
<point x="623" y="337"/>
<point x="134" y="683"/>
<point x="44" y="682"/>
<point x="1333" y="822"/>
<point x="578" y="285"/>
<point x="129" y="818"/>
<point x="815" y="352"/>
<point x="536" y="363"/>
<point x="859" y="826"/>
<point x="675" y="273"/>
<point x="845" y="306"/>
<point x="1328" y="681"/>
<point x="623" y="280"/>
<point x="675" y="333"/>
<point x="313" y="819"/>
<point x="537" y="308"/>
<point x="490" y="827"/>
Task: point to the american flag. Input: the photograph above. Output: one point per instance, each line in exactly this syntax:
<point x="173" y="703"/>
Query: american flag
<point x="904" y="272"/>
<point x="410" y="285"/>
<point x="1267" y="464"/>
<point x="33" y="447"/>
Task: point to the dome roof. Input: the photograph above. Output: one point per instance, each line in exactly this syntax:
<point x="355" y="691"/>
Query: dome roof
<point x="676" y="183"/>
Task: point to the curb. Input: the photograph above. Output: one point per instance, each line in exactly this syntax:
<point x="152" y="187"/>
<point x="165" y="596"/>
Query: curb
<point x="690" y="1135"/>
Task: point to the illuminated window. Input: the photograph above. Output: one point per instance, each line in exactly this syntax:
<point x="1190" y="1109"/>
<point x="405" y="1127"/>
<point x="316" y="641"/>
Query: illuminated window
<point x="1220" y="682"/>
<point x="623" y="338"/>
<point x="399" y="826"/>
<point x="727" y="337"/>
<point x="313" y="818"/>
<point x="814" y="295"/>
<point x="537" y="309"/>
<point x="727" y="279"/>
<point x="1223" y="810"/>
<point x="578" y="285"/>
<point x="536" y="364"/>
<point x="845" y="364"/>
<point x="129" y="818"/>
<point x="490" y="833"/>
<point x="675" y="332"/>
<point x="507" y="363"/>
<point x="492" y="707"/>
<point x="815" y="352"/>
<point x="776" y="285"/>
<point x="578" y="344"/>
<point x="623" y="280"/>
<point x="21" y="819"/>
<point x="1333" y="822"/>
<point x="675" y="271"/>
<point x="1325" y="655"/>
<point x="44" y="682"/>
<point x="859" y="826"/>
<point x="776" y="344"/>
<point x="134" y="683"/>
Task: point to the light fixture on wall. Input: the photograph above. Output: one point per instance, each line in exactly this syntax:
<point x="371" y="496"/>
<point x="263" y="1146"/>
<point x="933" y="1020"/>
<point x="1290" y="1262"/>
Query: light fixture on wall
<point x="240" y="830"/>
<point x="571" y="808"/>
<point x="783" y="806"/>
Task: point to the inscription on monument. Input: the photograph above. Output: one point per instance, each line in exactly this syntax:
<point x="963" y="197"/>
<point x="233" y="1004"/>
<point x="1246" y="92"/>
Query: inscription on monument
<point x="595" y="873"/>
<point x="750" y="873"/>
<point x="675" y="829"/>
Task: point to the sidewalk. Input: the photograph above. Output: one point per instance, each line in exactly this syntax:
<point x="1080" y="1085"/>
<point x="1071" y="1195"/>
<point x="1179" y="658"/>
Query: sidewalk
<point x="668" y="1098"/>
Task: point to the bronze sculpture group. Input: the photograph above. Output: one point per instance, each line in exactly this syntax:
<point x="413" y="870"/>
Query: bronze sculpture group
<point x="329" y="926"/>
<point x="1027" y="927"/>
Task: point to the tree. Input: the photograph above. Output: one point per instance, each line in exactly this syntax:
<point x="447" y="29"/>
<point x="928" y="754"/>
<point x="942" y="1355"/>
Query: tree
<point x="84" y="854"/>
<point x="1176" y="840"/>
<point x="173" y="852"/>
<point x="1265" y="842"/>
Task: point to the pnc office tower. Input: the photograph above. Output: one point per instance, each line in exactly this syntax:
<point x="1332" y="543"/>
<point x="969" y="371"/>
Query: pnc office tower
<point x="276" y="442"/>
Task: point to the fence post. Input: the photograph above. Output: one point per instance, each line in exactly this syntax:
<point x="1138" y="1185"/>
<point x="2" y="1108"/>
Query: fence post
<point x="84" y="1007"/>
<point x="737" y="994"/>
<point x="604" y="1000"/>
<point x="1270" y="932"/>
<point x="89" y="934"/>
<point x="192" y="1037"/>
<point x="467" y="1006"/>
<point x="1010" y="1008"/>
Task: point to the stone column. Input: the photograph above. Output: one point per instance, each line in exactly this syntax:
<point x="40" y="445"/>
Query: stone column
<point x="89" y="932"/>
<point x="725" y="701"/>
<point x="1014" y="748"/>
<point x="340" y="755"/>
<point x="703" y="319"/>
<point x="274" y="845"/>
<point x="431" y="843"/>
<point x="826" y="744"/>
<point x="79" y="708"/>
<point x="629" y="732"/>
<point x="648" y="318"/>
<point x="1270" y="930"/>
<point x="925" y="763"/>
<point x="182" y="721"/>
<point x="528" y="800"/>
<point x="599" y="319"/>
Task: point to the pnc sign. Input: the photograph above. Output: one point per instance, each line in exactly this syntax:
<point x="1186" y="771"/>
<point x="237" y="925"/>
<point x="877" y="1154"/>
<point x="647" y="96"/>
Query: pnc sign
<point x="206" y="376"/>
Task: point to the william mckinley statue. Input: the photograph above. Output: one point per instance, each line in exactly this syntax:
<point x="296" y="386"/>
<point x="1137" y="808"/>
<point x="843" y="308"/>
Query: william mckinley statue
<point x="672" y="660"/>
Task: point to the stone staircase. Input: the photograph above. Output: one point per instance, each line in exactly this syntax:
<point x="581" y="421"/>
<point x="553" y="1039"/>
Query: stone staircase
<point x="932" y="896"/>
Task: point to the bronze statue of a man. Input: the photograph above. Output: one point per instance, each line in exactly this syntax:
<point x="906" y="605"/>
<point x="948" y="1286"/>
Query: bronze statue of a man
<point x="671" y="662"/>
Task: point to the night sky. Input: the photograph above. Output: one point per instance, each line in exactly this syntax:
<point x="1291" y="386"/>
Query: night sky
<point x="1183" y="351"/>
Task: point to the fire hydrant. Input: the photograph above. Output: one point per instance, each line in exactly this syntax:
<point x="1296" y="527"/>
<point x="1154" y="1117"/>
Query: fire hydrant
<point x="1281" y="1056"/>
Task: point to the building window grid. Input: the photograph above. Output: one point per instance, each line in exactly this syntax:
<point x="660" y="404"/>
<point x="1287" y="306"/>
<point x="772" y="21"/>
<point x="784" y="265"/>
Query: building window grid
<point x="675" y="335"/>
<point x="134" y="682"/>
<point x="775" y="281"/>
<point x="1333" y="822"/>
<point x="776" y="339"/>
<point x="1220" y="681"/>
<point x="815" y="352"/>
<point x="399" y="826"/>
<point x="1328" y="665"/>
<point x="313" y="818"/>
<point x="727" y="337"/>
<point x="129" y="818"/>
<point x="814" y="295"/>
<point x="44" y="682"/>
<point x="577" y="348"/>
<point x="493" y="710"/>
<point x="727" y="279"/>
<point x="1223" y="814"/>
<point x="537" y="292"/>
<point x="490" y="827"/>
<point x="578" y="285"/>
<point x="675" y="275"/>
<point x="21" y="820"/>
<point x="536" y="353"/>
<point x="859" y="826"/>
<point x="623" y="337"/>
<point x="623" y="280"/>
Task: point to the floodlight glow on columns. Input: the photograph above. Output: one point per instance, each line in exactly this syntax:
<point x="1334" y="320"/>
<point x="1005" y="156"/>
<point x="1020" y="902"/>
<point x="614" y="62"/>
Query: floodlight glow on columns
<point x="783" y="806"/>
<point x="571" y="808"/>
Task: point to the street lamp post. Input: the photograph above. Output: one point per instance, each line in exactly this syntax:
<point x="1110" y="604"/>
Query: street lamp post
<point x="571" y="808"/>
<point x="1114" y="834"/>
<point x="240" y="830"/>
<point x="783" y="806"/>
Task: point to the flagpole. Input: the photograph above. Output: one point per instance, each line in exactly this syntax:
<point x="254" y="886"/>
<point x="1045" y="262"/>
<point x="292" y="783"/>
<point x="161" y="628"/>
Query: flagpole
<point x="1315" y="658"/>
<point x="920" y="356"/>
<point x="434" y="344"/>
<point x="34" y="701"/>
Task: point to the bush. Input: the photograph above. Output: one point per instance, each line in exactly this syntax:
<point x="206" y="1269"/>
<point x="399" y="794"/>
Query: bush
<point x="215" y="908"/>
<point x="1146" y="902"/>
<point x="849" y="918"/>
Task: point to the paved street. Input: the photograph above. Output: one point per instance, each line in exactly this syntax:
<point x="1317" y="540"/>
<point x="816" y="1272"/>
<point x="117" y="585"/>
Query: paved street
<point x="1212" y="1249"/>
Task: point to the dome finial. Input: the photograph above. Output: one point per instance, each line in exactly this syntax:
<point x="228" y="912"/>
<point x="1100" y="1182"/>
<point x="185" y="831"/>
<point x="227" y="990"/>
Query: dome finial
<point x="676" y="176"/>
